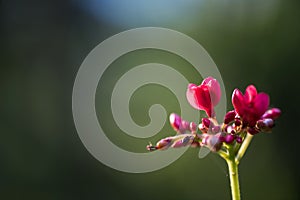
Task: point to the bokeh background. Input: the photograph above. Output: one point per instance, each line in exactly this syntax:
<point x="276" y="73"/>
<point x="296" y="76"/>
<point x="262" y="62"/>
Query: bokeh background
<point x="43" y="44"/>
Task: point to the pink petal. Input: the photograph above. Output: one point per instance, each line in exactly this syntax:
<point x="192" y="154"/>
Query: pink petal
<point x="238" y="101"/>
<point x="214" y="89"/>
<point x="202" y="96"/>
<point x="207" y="80"/>
<point x="250" y="93"/>
<point x="261" y="103"/>
<point x="190" y="95"/>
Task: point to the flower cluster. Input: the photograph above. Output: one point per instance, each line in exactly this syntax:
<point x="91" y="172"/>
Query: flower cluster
<point x="250" y="116"/>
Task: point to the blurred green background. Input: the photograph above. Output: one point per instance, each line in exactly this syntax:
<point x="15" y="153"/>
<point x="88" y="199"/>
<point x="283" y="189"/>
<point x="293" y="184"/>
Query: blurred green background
<point x="43" y="44"/>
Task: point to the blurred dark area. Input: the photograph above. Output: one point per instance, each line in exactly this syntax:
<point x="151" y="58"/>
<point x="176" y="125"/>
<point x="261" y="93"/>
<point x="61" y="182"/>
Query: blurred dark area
<point x="43" y="44"/>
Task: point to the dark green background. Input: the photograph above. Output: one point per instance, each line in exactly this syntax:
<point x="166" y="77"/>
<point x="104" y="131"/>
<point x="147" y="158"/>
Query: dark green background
<point x="42" y="46"/>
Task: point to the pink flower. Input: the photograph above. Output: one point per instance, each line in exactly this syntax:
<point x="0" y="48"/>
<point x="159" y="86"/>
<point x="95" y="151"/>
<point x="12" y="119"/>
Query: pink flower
<point x="251" y="106"/>
<point x="205" y="96"/>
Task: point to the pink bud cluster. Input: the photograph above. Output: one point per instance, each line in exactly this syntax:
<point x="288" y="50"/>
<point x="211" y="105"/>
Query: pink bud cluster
<point x="186" y="134"/>
<point x="250" y="116"/>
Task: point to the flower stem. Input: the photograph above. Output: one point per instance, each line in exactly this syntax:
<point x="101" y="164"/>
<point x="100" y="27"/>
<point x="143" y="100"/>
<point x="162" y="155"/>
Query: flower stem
<point x="243" y="148"/>
<point x="234" y="179"/>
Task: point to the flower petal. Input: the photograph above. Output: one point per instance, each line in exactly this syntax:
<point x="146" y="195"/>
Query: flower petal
<point x="214" y="89"/>
<point x="238" y="101"/>
<point x="190" y="95"/>
<point x="250" y="93"/>
<point x="202" y="96"/>
<point x="207" y="80"/>
<point x="261" y="103"/>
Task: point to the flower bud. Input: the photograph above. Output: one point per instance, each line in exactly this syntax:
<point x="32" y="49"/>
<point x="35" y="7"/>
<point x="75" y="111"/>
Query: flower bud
<point x="229" y="117"/>
<point x="164" y="143"/>
<point x="229" y="129"/>
<point x="265" y="125"/>
<point x="202" y="128"/>
<point x="183" y="142"/>
<point x="229" y="138"/>
<point x="193" y="127"/>
<point x="205" y="138"/>
<point x="237" y="122"/>
<point x="206" y="122"/>
<point x="175" y="121"/>
<point x="239" y="139"/>
<point x="216" y="129"/>
<point x="184" y="126"/>
<point x="214" y="143"/>
<point x="273" y="113"/>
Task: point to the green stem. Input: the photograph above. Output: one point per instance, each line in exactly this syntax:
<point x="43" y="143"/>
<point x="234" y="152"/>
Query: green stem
<point x="234" y="179"/>
<point x="243" y="148"/>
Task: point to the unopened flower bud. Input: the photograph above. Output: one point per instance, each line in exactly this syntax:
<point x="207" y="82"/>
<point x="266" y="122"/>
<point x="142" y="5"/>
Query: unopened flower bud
<point x="237" y="122"/>
<point x="173" y="141"/>
<point x="184" y="126"/>
<point x="164" y="143"/>
<point x="214" y="143"/>
<point x="202" y="128"/>
<point x="273" y="113"/>
<point x="265" y="125"/>
<point x="205" y="138"/>
<point x="229" y="117"/>
<point x="229" y="129"/>
<point x="239" y="139"/>
<point x="229" y="138"/>
<point x="206" y="122"/>
<point x="175" y="121"/>
<point x="183" y="142"/>
<point x="193" y="127"/>
<point x="216" y="129"/>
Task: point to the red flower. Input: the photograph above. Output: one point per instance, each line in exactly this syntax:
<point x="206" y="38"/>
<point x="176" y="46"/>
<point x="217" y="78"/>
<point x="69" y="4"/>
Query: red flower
<point x="251" y="106"/>
<point x="205" y="96"/>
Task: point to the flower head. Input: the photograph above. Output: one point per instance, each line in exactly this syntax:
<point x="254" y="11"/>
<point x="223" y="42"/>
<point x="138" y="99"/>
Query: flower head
<point x="249" y="117"/>
<point x="205" y="96"/>
<point x="251" y="106"/>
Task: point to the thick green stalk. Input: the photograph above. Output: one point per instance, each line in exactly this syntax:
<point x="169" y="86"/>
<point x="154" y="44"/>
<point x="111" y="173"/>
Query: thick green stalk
<point x="234" y="179"/>
<point x="233" y="159"/>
